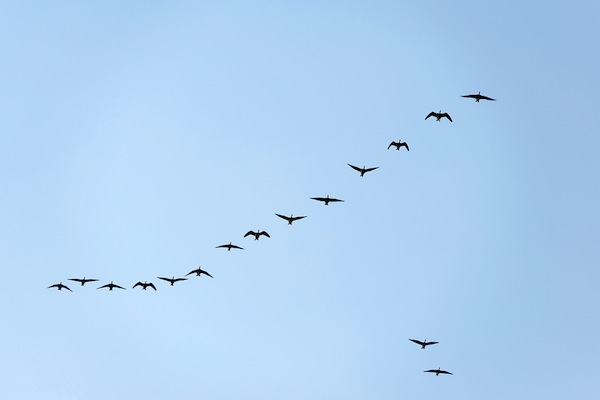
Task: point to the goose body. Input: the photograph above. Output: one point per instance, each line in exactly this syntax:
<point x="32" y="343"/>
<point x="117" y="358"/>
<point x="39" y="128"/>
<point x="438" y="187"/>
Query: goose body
<point x="171" y="280"/>
<point x="60" y="286"/>
<point x="83" y="281"/>
<point x="144" y="285"/>
<point x="399" y="144"/>
<point x="326" y="200"/>
<point x="423" y="343"/>
<point x="230" y="246"/>
<point x="362" y="170"/>
<point x="291" y="218"/>
<point x="478" y="97"/>
<point x="199" y="271"/>
<point x="439" y="115"/>
<point x="257" y="234"/>
<point x="111" y="286"/>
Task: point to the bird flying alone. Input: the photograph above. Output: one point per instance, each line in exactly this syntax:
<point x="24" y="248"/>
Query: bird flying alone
<point x="144" y="285"/>
<point x="291" y="218"/>
<point x="478" y="97"/>
<point x="438" y="116"/>
<point x="111" y="286"/>
<point x="439" y="371"/>
<point x="199" y="271"/>
<point x="257" y="234"/>
<point x="399" y="144"/>
<point x="172" y="280"/>
<point x="363" y="169"/>
<point x="60" y="286"/>
<point x="423" y="343"/>
<point x="230" y="246"/>
<point x="327" y="199"/>
<point x="83" y="281"/>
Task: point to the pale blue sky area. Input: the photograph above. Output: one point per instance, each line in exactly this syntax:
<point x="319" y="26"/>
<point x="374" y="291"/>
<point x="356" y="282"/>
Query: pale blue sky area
<point x="137" y="137"/>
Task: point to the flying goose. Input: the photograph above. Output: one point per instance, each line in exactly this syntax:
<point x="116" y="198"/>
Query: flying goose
<point x="257" y="234"/>
<point x="229" y="246"/>
<point x="438" y="116"/>
<point x="111" y="286"/>
<point x="326" y="200"/>
<point x="199" y="271"/>
<point x="172" y="280"/>
<point x="439" y="371"/>
<point x="478" y="97"/>
<point x="399" y="144"/>
<point x="82" y="281"/>
<point x="144" y="285"/>
<point x="363" y="169"/>
<point x="60" y="286"/>
<point x="291" y="218"/>
<point x="423" y="343"/>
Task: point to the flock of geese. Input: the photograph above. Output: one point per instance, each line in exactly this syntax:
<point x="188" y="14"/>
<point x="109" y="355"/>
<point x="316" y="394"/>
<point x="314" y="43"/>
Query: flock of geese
<point x="257" y="234"/>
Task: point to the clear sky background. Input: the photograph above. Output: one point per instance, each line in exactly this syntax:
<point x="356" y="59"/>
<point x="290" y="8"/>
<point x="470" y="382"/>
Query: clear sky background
<point x="137" y="136"/>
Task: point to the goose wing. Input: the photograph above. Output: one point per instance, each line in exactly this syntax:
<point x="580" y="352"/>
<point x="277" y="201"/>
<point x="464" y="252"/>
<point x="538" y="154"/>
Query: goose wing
<point x="284" y="217"/>
<point x="320" y="199"/>
<point x="151" y="285"/>
<point x="404" y="144"/>
<point x="447" y="116"/>
<point x="428" y="343"/>
<point x="431" y="114"/>
<point x="393" y="144"/>
<point x="233" y="246"/>
<point x="355" y="167"/>
<point x="482" y="97"/>
<point x="441" y="371"/>
<point x="165" y="279"/>
<point x="79" y="280"/>
<point x="178" y="279"/>
<point x="66" y="287"/>
<point x="196" y="271"/>
<point x="296" y="218"/>
<point x="103" y="286"/>
<point x="264" y="233"/>
<point x="417" y="341"/>
<point x="117" y="286"/>
<point x="205" y="273"/>
<point x="370" y="169"/>
<point x="138" y="284"/>
<point x="336" y="200"/>
<point x="250" y="233"/>
<point x="470" y="96"/>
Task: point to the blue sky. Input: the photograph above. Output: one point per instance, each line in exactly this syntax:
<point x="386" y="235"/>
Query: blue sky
<point x="137" y="137"/>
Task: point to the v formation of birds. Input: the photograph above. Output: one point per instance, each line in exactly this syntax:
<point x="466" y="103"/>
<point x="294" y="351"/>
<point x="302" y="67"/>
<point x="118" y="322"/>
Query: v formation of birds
<point x="258" y="233"/>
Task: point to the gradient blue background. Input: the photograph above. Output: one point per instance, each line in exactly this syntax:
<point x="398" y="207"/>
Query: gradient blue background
<point x="137" y="136"/>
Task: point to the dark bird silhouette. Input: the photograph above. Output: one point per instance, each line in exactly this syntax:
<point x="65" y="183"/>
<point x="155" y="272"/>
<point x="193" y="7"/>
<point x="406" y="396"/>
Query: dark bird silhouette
<point x="83" y="281"/>
<point x="111" y="286"/>
<point x="363" y="169"/>
<point x="198" y="271"/>
<point x="230" y="246"/>
<point x="478" y="97"/>
<point x="438" y="116"/>
<point x="439" y="371"/>
<point x="423" y="343"/>
<point x="59" y="286"/>
<point x="257" y="234"/>
<point x="326" y="200"/>
<point x="399" y="144"/>
<point x="144" y="285"/>
<point x="172" y="280"/>
<point x="291" y="218"/>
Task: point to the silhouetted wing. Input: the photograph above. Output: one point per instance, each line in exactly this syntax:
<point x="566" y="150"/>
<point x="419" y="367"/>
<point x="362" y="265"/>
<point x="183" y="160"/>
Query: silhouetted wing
<point x="355" y="167"/>
<point x="117" y="286"/>
<point x="165" y="279"/>
<point x="471" y="96"/>
<point x="78" y="280"/>
<point x="392" y="144"/>
<point x="265" y="233"/>
<point x="296" y="218"/>
<point x="284" y="217"/>
<point x="193" y="272"/>
<point x="445" y="372"/>
<point x="371" y="169"/>
<point x="416" y="341"/>
<point x="103" y="286"/>
<point x="206" y="273"/>
<point x="428" y="343"/>
<point x="152" y="285"/>
<point x="482" y="97"/>
<point x="66" y="287"/>
<point x="405" y="145"/>
<point x="431" y="114"/>
<point x="223" y="245"/>
<point x="138" y="284"/>
<point x="435" y="371"/>
<point x="249" y="233"/>
<point x="320" y="199"/>
<point x="447" y="116"/>
<point x="334" y="200"/>
<point x="233" y="246"/>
